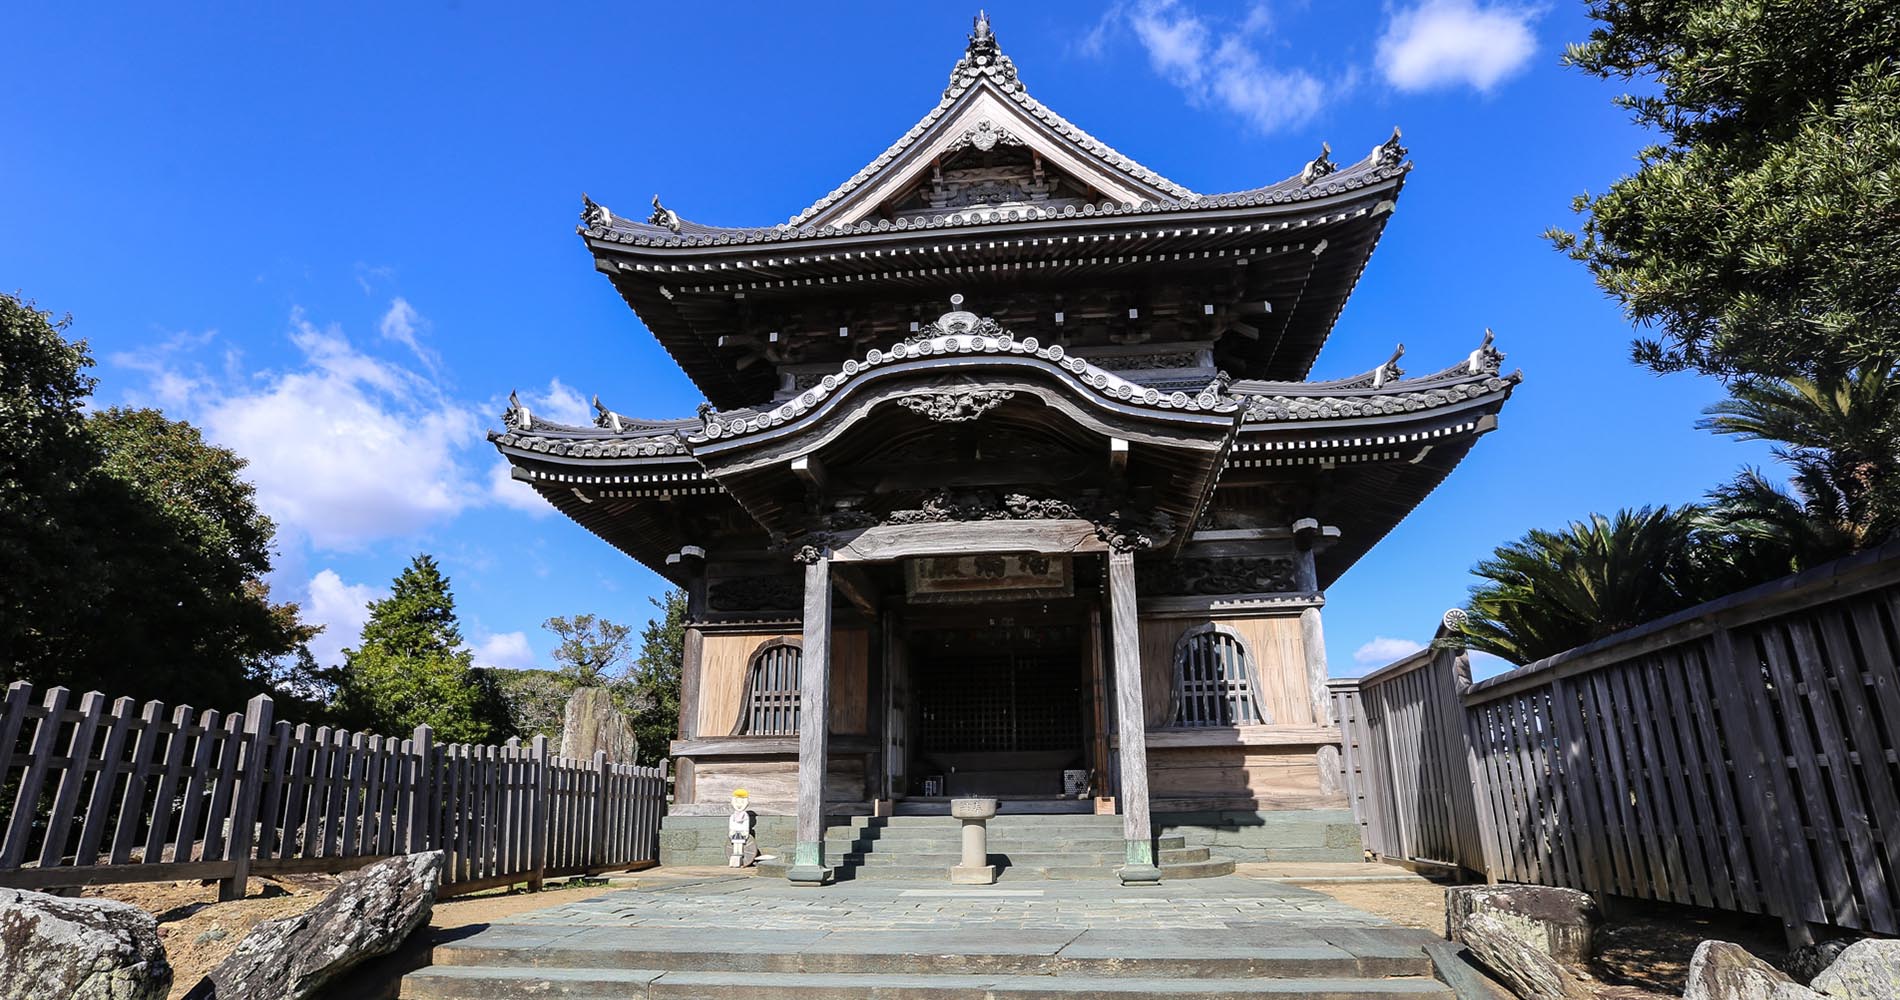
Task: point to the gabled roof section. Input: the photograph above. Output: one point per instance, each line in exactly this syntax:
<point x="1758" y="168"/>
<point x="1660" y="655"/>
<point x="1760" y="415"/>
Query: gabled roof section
<point x="986" y="101"/>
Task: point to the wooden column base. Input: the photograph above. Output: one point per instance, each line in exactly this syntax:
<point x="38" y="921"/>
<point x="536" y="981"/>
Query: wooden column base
<point x="808" y="865"/>
<point x="1140" y="869"/>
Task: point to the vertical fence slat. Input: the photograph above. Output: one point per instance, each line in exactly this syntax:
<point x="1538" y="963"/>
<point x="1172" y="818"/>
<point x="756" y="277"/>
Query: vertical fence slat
<point x="98" y="803"/>
<point x="39" y="760"/>
<point x="132" y="803"/>
<point x="66" y="796"/>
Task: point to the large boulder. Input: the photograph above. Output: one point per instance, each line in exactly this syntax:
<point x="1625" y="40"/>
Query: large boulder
<point x="79" y="949"/>
<point x="1527" y="970"/>
<point x="592" y="723"/>
<point x="1810" y="960"/>
<point x="1724" y="971"/>
<point x="1560" y="923"/>
<point x="1865" y="970"/>
<point x="365" y="916"/>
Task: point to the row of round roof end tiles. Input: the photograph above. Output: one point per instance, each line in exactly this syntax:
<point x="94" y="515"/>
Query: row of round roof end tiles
<point x="1105" y="382"/>
<point x="777" y="233"/>
<point x="649" y="447"/>
<point x="1310" y="407"/>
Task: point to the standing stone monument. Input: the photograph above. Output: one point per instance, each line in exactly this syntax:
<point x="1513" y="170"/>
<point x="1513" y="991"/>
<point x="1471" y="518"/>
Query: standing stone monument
<point x="974" y="867"/>
<point x="592" y="723"/>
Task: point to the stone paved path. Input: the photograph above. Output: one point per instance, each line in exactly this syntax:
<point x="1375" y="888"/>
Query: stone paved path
<point x="756" y="938"/>
<point x="772" y="904"/>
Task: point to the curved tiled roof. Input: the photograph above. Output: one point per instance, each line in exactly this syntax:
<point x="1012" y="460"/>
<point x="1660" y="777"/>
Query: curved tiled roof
<point x="958" y="333"/>
<point x="1290" y="191"/>
<point x="1394" y="398"/>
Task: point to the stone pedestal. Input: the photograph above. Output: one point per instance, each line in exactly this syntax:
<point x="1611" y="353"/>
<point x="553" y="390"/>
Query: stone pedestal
<point x="975" y="867"/>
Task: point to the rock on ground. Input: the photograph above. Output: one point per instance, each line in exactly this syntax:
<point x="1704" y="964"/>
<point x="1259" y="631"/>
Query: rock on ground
<point x="592" y="723"/>
<point x="1809" y="960"/>
<point x="366" y="916"/>
<point x="1865" y="970"/>
<point x="1560" y="923"/>
<point x="1527" y="970"/>
<point x="1724" y="971"/>
<point x="79" y="949"/>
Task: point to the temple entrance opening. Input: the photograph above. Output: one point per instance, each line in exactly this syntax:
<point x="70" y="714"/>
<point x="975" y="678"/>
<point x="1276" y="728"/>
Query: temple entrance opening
<point x="1003" y="709"/>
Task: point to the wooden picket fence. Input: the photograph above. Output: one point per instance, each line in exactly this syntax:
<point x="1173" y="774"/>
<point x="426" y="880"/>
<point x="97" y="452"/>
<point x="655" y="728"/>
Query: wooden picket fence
<point x="127" y="793"/>
<point x="1741" y="755"/>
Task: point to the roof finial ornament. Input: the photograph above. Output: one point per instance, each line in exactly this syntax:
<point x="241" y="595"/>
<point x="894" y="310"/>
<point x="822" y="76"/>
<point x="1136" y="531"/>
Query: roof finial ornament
<point x="981" y="58"/>
<point x="705" y="412"/>
<point x="1390" y="152"/>
<point x="593" y="214"/>
<point x="663" y="216"/>
<point x="956" y="320"/>
<point x="1486" y="359"/>
<point x="516" y="416"/>
<point x="1320" y="166"/>
<point x="604" y="417"/>
<point x="1390" y="371"/>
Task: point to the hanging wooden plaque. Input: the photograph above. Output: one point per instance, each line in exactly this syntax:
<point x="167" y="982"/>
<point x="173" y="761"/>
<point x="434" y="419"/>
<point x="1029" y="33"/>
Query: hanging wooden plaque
<point x="989" y="576"/>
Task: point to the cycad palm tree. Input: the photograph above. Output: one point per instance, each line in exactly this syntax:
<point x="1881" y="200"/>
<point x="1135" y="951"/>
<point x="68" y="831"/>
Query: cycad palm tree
<point x="1840" y="436"/>
<point x="1552" y="590"/>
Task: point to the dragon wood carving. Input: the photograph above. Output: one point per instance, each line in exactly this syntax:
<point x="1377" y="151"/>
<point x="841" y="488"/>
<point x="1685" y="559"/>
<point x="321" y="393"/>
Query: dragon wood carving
<point x="956" y="405"/>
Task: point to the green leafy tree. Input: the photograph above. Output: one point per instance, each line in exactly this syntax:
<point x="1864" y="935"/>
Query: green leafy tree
<point x="1554" y="590"/>
<point x="135" y="551"/>
<point x="592" y="651"/>
<point x="411" y="667"/>
<point x="1761" y="233"/>
<point x="654" y="702"/>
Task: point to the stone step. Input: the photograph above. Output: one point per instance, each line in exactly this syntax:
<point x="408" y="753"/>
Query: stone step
<point x="1039" y="845"/>
<point x="507" y="983"/>
<point x="1024" y="859"/>
<point x="1098" y="954"/>
<point x="905" y="870"/>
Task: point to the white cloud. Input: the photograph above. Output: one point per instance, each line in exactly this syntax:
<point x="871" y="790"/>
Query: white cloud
<point x="1218" y="66"/>
<point x="342" y="609"/>
<point x="510" y="492"/>
<point x="1442" y="43"/>
<point x="561" y="403"/>
<point x="403" y="324"/>
<point x="1382" y="650"/>
<point x="508" y="650"/>
<point x="347" y="448"/>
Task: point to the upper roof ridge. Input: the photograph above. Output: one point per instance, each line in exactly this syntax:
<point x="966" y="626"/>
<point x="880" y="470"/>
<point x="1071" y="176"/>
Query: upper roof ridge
<point x="981" y="58"/>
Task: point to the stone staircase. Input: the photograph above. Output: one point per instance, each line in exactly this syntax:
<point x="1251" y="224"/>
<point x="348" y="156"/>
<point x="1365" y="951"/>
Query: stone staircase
<point x="923" y="848"/>
<point x="505" y="962"/>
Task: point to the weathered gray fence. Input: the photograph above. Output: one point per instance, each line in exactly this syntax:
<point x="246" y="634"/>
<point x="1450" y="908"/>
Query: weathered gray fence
<point x="1741" y="755"/>
<point x="123" y="793"/>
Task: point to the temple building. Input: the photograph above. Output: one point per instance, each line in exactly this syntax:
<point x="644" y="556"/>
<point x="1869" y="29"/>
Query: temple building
<point x="1009" y="483"/>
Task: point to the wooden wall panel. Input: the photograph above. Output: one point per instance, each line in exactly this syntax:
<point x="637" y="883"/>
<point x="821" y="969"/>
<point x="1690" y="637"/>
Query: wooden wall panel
<point x="1276" y="645"/>
<point x="772" y="785"/>
<point x="1281" y="667"/>
<point x="1158" y="637"/>
<point x="850" y="680"/>
<point x="724" y="659"/>
<point x="1240" y="778"/>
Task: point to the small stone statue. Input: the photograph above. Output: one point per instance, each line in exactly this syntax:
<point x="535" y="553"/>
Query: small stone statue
<point x="742" y="850"/>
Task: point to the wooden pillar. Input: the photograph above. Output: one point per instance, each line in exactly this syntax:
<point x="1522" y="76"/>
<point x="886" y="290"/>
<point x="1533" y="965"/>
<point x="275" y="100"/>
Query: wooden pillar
<point x="1313" y="641"/>
<point x="1307" y="532"/>
<point x="1131" y="721"/>
<point x="814" y="714"/>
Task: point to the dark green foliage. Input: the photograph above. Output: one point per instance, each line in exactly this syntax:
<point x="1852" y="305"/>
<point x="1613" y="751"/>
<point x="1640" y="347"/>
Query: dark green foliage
<point x="534" y="700"/>
<point x="593" y="651"/>
<point x="1761" y="235"/>
<point x="1553" y="590"/>
<point x="655" y="705"/>
<point x="412" y="669"/>
<point x="134" y="549"/>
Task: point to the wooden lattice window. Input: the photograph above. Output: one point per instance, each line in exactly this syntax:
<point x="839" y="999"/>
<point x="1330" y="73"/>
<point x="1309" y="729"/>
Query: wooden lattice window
<point x="1214" y="681"/>
<point x="771" y="690"/>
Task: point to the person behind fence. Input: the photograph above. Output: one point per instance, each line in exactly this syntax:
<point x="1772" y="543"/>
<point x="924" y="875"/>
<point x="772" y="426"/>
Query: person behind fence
<point x="742" y="849"/>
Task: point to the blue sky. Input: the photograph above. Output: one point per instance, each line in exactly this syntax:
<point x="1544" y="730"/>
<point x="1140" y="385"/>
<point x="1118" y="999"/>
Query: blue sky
<point x="337" y="236"/>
